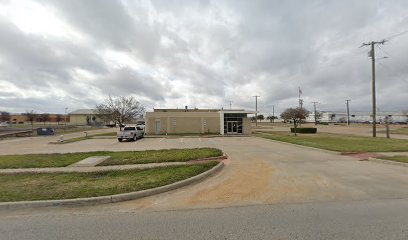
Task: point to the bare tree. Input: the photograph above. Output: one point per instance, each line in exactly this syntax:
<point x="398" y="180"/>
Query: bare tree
<point x="45" y="117"/>
<point x="59" y="118"/>
<point x="31" y="116"/>
<point x="5" y="117"/>
<point x="120" y="110"/>
<point x="296" y="115"/>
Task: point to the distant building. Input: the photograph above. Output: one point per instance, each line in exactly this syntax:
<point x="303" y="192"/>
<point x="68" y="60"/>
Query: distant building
<point x="21" y="118"/>
<point x="85" y="117"/>
<point x="358" y="117"/>
<point x="202" y="121"/>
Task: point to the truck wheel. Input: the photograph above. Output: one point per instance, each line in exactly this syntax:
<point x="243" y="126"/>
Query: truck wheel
<point x="135" y="138"/>
<point x="120" y="139"/>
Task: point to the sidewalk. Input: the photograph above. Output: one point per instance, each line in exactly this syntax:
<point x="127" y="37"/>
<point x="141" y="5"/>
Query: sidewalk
<point x="92" y="169"/>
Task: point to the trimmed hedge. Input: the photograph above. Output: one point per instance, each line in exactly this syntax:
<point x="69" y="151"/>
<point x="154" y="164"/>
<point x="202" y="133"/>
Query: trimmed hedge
<point x="303" y="130"/>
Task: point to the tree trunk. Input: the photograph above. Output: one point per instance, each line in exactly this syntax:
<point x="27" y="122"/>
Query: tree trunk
<point x="295" y="126"/>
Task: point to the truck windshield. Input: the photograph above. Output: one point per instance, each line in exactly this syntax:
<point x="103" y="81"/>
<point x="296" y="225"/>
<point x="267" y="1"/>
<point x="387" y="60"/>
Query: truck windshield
<point x="129" y="128"/>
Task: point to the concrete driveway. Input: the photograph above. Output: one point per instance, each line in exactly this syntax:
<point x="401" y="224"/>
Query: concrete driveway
<point x="259" y="171"/>
<point x="264" y="172"/>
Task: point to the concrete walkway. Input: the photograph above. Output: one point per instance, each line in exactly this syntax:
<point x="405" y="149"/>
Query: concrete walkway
<point x="93" y="169"/>
<point x="90" y="161"/>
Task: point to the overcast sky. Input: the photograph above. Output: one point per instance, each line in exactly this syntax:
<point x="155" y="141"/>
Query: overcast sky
<point x="75" y="53"/>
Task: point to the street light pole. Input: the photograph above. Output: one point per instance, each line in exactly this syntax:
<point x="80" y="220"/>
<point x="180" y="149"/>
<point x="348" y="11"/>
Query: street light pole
<point x="348" y="112"/>
<point x="256" y="110"/>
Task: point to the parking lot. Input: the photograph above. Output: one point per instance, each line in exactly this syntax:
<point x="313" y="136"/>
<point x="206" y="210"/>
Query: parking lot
<point x="41" y="144"/>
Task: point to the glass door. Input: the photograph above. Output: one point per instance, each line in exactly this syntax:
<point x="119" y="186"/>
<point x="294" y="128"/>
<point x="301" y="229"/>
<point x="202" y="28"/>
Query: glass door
<point x="232" y="127"/>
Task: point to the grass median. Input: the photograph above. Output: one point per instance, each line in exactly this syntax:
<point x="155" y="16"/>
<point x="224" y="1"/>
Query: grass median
<point x="51" y="186"/>
<point x="403" y="131"/>
<point x="340" y="143"/>
<point x="155" y="156"/>
<point x="117" y="158"/>
<point x="77" y="139"/>
<point x="398" y="158"/>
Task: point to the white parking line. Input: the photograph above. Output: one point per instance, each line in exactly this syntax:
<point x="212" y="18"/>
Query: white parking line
<point x="161" y="140"/>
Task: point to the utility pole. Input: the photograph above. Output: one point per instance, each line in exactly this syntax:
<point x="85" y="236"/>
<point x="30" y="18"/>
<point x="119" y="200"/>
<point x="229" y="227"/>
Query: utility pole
<point x="65" y="119"/>
<point x="372" y="55"/>
<point x="348" y="112"/>
<point x="256" y="109"/>
<point x="315" y="113"/>
<point x="230" y="104"/>
<point x="273" y="114"/>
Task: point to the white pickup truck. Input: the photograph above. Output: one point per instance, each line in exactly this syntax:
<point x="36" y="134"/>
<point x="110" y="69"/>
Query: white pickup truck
<point x="131" y="133"/>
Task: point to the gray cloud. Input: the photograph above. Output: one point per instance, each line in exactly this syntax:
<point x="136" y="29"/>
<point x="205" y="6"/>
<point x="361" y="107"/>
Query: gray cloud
<point x="110" y="24"/>
<point x="209" y="52"/>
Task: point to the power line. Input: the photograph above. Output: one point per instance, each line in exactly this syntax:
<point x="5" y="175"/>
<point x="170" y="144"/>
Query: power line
<point x="396" y="35"/>
<point x="386" y="53"/>
<point x="392" y="71"/>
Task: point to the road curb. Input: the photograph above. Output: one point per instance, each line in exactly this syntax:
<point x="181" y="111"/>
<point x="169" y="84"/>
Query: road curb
<point x="379" y="160"/>
<point x="111" y="198"/>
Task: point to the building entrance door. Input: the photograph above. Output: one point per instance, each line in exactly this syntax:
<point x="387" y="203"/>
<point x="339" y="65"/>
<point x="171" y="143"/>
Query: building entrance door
<point x="232" y="127"/>
<point x="157" y="127"/>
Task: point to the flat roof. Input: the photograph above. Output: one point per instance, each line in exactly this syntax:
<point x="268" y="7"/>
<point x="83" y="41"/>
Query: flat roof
<point x="195" y="110"/>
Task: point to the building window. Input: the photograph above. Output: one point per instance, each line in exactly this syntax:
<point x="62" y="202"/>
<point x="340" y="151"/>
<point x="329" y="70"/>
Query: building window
<point x="233" y="123"/>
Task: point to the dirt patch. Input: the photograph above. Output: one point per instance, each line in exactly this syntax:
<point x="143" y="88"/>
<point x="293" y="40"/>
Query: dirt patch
<point x="245" y="184"/>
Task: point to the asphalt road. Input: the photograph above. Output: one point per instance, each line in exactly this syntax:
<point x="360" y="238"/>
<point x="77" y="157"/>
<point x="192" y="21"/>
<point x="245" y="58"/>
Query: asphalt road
<point x="267" y="190"/>
<point x="383" y="219"/>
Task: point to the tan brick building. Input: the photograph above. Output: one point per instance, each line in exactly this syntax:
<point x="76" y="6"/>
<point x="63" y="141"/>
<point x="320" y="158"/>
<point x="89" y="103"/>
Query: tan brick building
<point x="204" y="121"/>
<point x="85" y="117"/>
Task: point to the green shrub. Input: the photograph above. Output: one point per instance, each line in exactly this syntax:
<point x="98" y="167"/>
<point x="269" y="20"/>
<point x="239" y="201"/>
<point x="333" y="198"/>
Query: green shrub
<point x="303" y="130"/>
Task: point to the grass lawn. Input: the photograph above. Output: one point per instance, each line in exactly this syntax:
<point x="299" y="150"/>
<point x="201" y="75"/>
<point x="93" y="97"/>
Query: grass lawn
<point x="340" y="143"/>
<point x="154" y="156"/>
<point x="90" y="136"/>
<point x="104" y="134"/>
<point x="128" y="157"/>
<point x="59" y="129"/>
<point x="403" y="130"/>
<point x="44" y="160"/>
<point x="403" y="159"/>
<point x="46" y="186"/>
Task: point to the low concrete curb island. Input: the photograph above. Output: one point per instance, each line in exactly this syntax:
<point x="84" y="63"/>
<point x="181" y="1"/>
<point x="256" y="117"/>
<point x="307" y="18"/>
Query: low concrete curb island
<point x="112" y="198"/>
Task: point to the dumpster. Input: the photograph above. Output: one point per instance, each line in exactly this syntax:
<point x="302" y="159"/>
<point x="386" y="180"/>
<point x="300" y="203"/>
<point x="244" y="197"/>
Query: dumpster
<point x="45" y="131"/>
